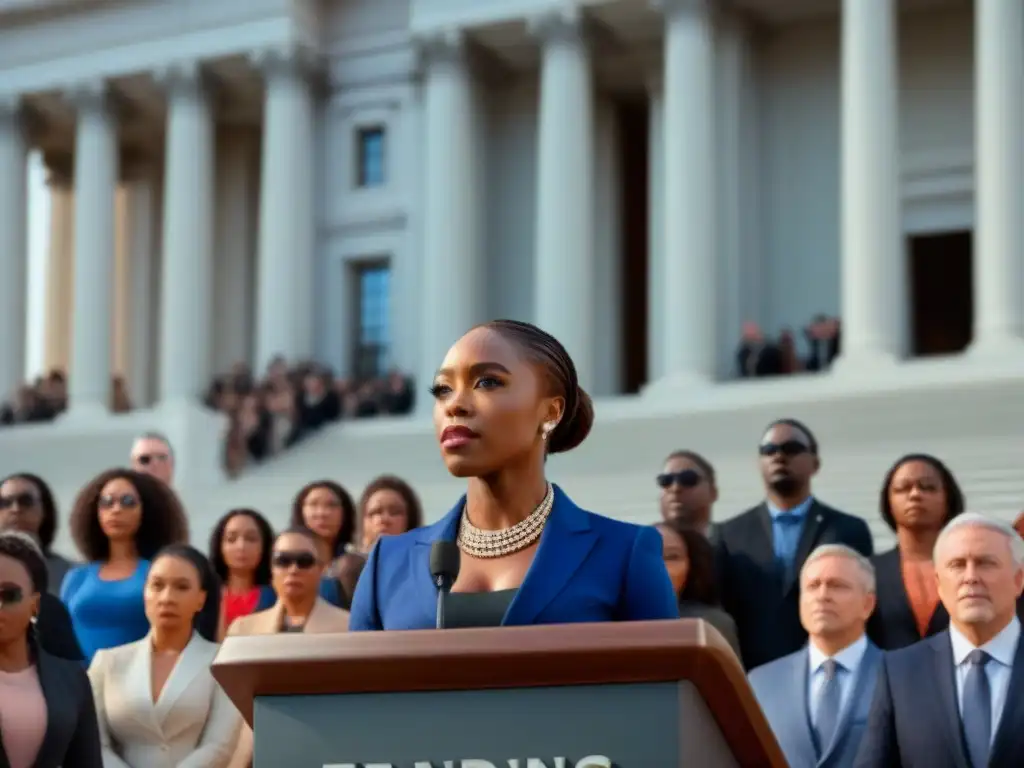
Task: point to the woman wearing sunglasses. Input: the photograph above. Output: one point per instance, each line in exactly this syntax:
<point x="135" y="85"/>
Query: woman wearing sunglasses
<point x="120" y="520"/>
<point x="47" y="714"/>
<point x="295" y="567"/>
<point x="27" y="504"/>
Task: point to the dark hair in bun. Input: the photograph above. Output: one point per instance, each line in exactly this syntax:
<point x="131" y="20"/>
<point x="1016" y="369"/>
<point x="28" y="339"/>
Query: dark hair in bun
<point x="545" y="350"/>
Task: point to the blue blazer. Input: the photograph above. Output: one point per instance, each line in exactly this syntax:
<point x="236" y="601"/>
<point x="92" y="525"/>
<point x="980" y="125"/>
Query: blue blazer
<point x="781" y="689"/>
<point x="587" y="568"/>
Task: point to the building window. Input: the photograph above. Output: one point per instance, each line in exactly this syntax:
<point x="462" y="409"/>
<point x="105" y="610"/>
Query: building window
<point x="370" y="151"/>
<point x="373" y="344"/>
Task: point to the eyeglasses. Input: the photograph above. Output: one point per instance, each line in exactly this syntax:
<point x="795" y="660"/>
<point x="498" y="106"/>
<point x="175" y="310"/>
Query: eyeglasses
<point x="24" y="500"/>
<point x="687" y="478"/>
<point x="789" y="448"/>
<point x="145" y="459"/>
<point x="125" y="501"/>
<point x="301" y="560"/>
<point x="10" y="595"/>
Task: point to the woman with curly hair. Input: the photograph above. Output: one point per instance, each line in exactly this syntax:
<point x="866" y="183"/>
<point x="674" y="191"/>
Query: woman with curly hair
<point x="120" y="520"/>
<point x="27" y="504"/>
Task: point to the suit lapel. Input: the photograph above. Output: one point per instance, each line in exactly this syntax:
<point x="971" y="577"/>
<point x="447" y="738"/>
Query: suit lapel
<point x="189" y="664"/>
<point x="945" y="677"/>
<point x="809" y="534"/>
<point x="57" y="704"/>
<point x="802" y="714"/>
<point x="564" y="545"/>
<point x="446" y="529"/>
<point x="1008" y="741"/>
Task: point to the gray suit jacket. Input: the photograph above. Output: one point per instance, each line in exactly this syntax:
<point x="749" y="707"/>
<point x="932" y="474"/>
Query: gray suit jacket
<point x="781" y="689"/>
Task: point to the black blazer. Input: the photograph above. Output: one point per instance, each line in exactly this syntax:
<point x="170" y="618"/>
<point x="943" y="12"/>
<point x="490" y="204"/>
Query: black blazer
<point x="892" y="626"/>
<point x="915" y="719"/>
<point x="54" y="630"/>
<point x="764" y="605"/>
<point x="72" y="734"/>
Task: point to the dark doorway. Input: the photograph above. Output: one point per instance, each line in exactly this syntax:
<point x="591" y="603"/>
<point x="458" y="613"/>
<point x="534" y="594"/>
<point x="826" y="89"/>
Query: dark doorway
<point x="633" y="119"/>
<point x="942" y="287"/>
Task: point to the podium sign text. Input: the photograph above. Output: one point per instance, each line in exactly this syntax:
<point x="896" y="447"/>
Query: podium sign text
<point x="583" y="726"/>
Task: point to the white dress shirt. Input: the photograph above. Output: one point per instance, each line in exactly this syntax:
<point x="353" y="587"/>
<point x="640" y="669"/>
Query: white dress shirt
<point x="848" y="660"/>
<point x="1001" y="649"/>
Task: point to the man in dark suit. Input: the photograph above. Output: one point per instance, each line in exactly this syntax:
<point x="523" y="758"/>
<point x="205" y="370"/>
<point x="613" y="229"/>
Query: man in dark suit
<point x="760" y="552"/>
<point x="953" y="700"/>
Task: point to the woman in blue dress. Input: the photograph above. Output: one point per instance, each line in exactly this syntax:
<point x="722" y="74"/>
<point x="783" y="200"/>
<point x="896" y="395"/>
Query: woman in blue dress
<point x="506" y="396"/>
<point x="120" y="520"/>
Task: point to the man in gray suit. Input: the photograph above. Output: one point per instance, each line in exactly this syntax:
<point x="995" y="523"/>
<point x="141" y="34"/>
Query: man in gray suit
<point x="817" y="699"/>
<point x="954" y="700"/>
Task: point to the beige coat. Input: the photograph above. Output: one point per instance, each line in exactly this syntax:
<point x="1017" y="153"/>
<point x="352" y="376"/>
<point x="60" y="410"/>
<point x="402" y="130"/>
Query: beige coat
<point x="324" y="619"/>
<point x="192" y="724"/>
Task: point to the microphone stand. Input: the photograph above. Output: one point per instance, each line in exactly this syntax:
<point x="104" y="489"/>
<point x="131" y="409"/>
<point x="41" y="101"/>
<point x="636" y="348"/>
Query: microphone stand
<point x="443" y="587"/>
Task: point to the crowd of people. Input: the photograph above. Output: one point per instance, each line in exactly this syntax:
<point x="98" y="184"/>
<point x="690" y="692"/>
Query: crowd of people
<point x="269" y="415"/>
<point x="759" y="355"/>
<point x="856" y="658"/>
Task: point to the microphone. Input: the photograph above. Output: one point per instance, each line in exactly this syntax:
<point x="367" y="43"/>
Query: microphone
<point x="444" y="567"/>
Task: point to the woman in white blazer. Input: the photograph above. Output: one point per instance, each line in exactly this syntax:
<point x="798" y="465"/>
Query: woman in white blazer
<point x="157" y="703"/>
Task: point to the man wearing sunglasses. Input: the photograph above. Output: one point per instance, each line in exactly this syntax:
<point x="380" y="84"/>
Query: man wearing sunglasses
<point x="688" y="491"/>
<point x="760" y="552"/>
<point x="152" y="455"/>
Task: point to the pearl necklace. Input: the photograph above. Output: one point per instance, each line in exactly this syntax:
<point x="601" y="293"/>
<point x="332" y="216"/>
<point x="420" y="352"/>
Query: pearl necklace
<point x="476" y="542"/>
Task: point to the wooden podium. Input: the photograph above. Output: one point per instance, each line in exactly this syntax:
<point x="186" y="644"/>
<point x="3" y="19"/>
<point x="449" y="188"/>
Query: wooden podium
<point x="654" y="694"/>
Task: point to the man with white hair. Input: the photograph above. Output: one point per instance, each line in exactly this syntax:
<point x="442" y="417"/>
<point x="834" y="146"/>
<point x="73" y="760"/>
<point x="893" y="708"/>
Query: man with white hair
<point x="954" y="700"/>
<point x="817" y="699"/>
<point x="152" y="455"/>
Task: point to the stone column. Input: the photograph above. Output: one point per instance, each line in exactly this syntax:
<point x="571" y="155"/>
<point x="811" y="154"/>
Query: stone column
<point x="453" y="268"/>
<point x="187" y="297"/>
<point x="656" y="231"/>
<point x="96" y="160"/>
<point x="999" y="232"/>
<point x="13" y="245"/>
<point x="873" y="267"/>
<point x="689" y="288"/>
<point x="235" y="245"/>
<point x="60" y="272"/>
<point x="564" y="278"/>
<point x="143" y="293"/>
<point x="284" y="322"/>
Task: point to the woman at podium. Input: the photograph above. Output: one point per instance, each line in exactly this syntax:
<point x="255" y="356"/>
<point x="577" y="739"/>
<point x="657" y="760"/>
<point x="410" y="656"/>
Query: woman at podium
<point x="505" y="397"/>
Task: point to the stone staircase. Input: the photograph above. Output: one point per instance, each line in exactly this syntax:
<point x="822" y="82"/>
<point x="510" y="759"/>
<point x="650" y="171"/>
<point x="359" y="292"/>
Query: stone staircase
<point x="974" y="423"/>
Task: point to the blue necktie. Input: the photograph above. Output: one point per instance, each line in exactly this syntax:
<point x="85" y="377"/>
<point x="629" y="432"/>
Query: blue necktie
<point x="977" y="709"/>
<point x="829" y="698"/>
